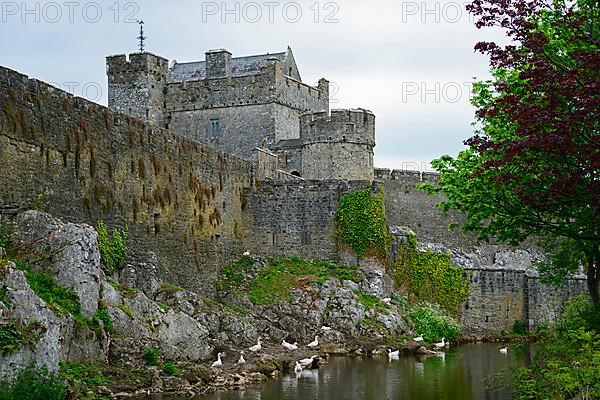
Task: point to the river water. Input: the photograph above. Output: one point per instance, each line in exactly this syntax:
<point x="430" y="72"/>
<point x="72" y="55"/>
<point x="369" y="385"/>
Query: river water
<point x="460" y="375"/>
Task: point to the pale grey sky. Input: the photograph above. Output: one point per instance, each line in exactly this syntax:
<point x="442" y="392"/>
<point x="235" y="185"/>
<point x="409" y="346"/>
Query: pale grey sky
<point x="410" y="62"/>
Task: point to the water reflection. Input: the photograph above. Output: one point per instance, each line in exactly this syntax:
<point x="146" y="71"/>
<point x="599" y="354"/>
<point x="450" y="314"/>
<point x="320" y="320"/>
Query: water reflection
<point x="458" y="374"/>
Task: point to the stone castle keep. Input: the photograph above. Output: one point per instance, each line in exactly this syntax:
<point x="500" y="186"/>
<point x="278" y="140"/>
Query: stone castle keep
<point x="254" y="107"/>
<point x="206" y="160"/>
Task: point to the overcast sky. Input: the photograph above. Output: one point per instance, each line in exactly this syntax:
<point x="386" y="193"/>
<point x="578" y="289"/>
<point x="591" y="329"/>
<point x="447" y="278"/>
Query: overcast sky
<point x="410" y="62"/>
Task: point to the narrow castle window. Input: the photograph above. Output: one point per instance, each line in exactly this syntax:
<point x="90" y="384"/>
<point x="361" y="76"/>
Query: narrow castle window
<point x="215" y="128"/>
<point x="290" y="71"/>
<point x="349" y="127"/>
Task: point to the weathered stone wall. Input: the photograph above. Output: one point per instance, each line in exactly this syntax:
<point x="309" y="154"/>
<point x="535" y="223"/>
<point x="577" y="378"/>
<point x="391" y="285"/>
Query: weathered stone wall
<point x="136" y="86"/>
<point x="295" y="218"/>
<point x="407" y="206"/>
<point x="180" y="199"/>
<point x="499" y="297"/>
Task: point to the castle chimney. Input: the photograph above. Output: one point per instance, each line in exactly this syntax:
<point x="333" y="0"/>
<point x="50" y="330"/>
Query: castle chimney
<point x="218" y="63"/>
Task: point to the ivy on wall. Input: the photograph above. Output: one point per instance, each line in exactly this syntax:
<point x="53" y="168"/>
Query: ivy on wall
<point x="431" y="277"/>
<point x="361" y="223"/>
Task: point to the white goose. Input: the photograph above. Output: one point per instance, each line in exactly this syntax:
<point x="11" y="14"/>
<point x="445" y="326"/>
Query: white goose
<point x="305" y="362"/>
<point x="218" y="363"/>
<point x="242" y="360"/>
<point x="440" y="345"/>
<point x="289" y="346"/>
<point x="393" y="355"/>
<point x="257" y="346"/>
<point x="504" y="350"/>
<point x="246" y="253"/>
<point x="314" y="343"/>
<point x="418" y="338"/>
<point x="297" y="368"/>
<point x="326" y="328"/>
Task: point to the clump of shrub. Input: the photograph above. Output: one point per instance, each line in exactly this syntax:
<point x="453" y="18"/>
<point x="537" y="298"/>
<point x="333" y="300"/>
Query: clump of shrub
<point x="170" y="368"/>
<point x="567" y="358"/>
<point x="433" y="324"/>
<point x="113" y="248"/>
<point x="101" y="315"/>
<point x="151" y="356"/>
<point x="61" y="300"/>
<point x="519" y="328"/>
<point x="34" y="384"/>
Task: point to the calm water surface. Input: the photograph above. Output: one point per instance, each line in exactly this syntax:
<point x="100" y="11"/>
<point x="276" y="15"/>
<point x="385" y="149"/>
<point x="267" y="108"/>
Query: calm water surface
<point x="459" y="375"/>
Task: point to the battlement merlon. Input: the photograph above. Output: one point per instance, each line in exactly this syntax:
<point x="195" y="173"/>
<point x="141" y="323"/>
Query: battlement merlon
<point x="121" y="68"/>
<point x="340" y="126"/>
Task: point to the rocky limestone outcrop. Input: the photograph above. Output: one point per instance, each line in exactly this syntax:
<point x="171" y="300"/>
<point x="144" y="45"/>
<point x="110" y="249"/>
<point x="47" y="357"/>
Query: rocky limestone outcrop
<point x="184" y="326"/>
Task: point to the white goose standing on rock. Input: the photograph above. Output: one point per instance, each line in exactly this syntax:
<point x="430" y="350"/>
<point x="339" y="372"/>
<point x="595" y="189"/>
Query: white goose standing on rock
<point x="314" y="343"/>
<point x="257" y="346"/>
<point x="297" y="368"/>
<point x="218" y="363"/>
<point x="241" y="361"/>
<point x="440" y="345"/>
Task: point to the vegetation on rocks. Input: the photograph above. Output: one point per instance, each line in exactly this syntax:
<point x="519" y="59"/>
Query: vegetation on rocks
<point x="274" y="281"/>
<point x="113" y="248"/>
<point x="431" y="277"/>
<point x="34" y="384"/>
<point x="13" y="337"/>
<point x="361" y="223"/>
<point x="433" y="324"/>
<point x="61" y="300"/>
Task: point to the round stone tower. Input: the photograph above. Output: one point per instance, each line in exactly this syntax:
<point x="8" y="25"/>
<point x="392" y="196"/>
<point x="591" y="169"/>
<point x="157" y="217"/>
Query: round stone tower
<point x="338" y="146"/>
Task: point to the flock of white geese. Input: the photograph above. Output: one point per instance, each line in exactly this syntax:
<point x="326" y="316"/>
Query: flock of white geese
<point x="299" y="364"/>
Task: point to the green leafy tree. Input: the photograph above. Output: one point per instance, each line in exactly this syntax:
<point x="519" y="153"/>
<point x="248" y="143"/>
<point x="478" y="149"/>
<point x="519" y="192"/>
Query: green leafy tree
<point x="532" y="168"/>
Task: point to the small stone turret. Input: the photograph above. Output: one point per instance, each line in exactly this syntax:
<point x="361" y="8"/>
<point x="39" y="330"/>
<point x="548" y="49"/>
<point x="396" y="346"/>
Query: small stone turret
<point x="136" y="86"/>
<point x="338" y="146"/>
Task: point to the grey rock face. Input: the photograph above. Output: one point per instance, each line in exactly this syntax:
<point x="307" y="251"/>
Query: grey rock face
<point x="61" y="340"/>
<point x="69" y="252"/>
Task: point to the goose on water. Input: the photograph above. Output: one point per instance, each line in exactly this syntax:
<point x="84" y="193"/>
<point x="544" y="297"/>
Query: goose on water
<point x="218" y="363"/>
<point x="257" y="346"/>
<point x="241" y="361"/>
<point x="314" y="343"/>
<point x="393" y="355"/>
<point x="297" y="368"/>
<point x="504" y="350"/>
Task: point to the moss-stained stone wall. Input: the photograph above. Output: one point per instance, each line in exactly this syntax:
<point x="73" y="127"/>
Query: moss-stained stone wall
<point x="180" y="199"/>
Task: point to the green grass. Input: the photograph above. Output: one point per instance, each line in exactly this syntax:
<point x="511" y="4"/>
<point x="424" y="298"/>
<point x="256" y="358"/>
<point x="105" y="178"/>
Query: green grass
<point x="170" y="288"/>
<point x="274" y="282"/>
<point x="126" y="310"/>
<point x="61" y="300"/>
<point x="83" y="378"/>
<point x="370" y="301"/>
